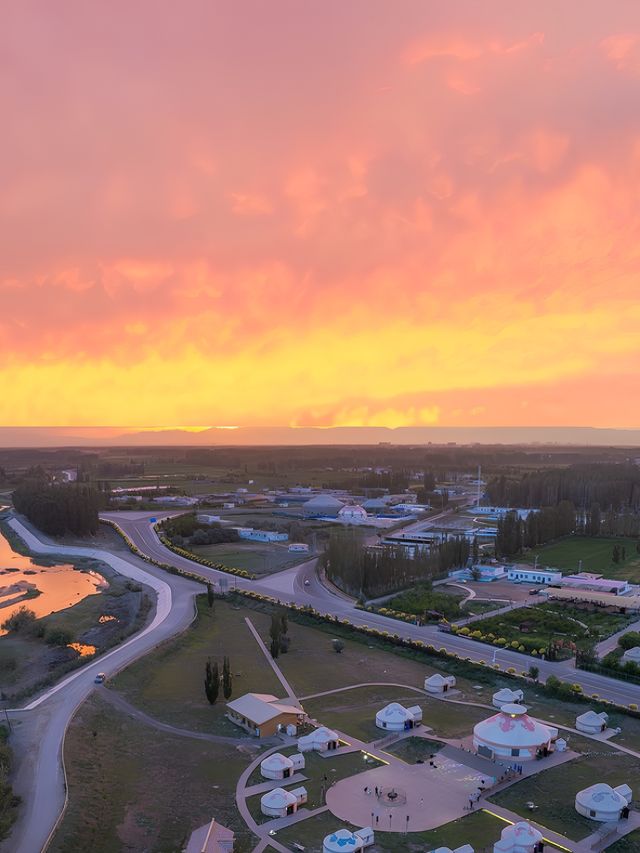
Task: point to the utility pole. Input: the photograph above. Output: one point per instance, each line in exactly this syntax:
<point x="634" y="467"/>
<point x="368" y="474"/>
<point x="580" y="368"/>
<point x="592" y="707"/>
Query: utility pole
<point x="479" y="478"/>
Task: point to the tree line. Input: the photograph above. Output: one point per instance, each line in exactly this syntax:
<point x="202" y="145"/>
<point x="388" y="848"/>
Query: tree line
<point x="371" y="572"/>
<point x="615" y="485"/>
<point x="59" y="509"/>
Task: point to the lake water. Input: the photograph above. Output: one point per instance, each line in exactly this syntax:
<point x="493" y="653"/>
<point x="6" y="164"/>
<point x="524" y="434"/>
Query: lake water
<point x="60" y="586"/>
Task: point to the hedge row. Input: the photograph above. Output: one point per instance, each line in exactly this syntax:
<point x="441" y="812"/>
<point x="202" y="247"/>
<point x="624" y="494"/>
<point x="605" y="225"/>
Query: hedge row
<point x="220" y="567"/>
<point x="553" y="686"/>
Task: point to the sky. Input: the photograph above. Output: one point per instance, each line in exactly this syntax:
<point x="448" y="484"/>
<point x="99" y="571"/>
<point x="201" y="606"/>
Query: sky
<point x="327" y="213"/>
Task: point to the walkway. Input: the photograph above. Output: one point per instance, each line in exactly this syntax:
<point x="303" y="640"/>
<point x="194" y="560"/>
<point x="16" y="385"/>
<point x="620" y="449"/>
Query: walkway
<point x="611" y="643"/>
<point x="274" y="666"/>
<point x="121" y="704"/>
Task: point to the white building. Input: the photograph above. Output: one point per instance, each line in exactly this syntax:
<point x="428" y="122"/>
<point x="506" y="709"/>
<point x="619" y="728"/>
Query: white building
<point x="592" y="723"/>
<point x="394" y="717"/>
<point x="322" y="506"/>
<point x="521" y="574"/>
<point x="319" y="740"/>
<point x="465" y="848"/>
<point x="513" y="735"/>
<point x="205" y="518"/>
<point x="632" y="655"/>
<point x="519" y="838"/>
<point x="298" y="547"/>
<point x="279" y="766"/>
<point x="496" y="512"/>
<point x="438" y="683"/>
<point x="280" y="803"/>
<point x="344" y="839"/>
<point x="602" y="802"/>
<point x="211" y="838"/>
<point x="507" y="697"/>
<point x="352" y="514"/>
<point x="252" y="535"/>
<point x="175" y="500"/>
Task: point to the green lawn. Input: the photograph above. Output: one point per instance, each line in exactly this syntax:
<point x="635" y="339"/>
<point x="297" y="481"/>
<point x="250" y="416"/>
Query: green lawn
<point x="481" y="829"/>
<point x="534" y="627"/>
<point x="629" y="844"/>
<point x="422" y="598"/>
<point x="133" y="788"/>
<point x="554" y="790"/>
<point x="476" y="606"/>
<point x="257" y="557"/>
<point x="595" y="553"/>
<point x="168" y="683"/>
<point x="353" y="712"/>
<point x="414" y="749"/>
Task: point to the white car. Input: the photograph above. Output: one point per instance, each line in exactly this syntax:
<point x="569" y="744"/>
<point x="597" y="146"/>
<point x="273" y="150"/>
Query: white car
<point x="307" y="581"/>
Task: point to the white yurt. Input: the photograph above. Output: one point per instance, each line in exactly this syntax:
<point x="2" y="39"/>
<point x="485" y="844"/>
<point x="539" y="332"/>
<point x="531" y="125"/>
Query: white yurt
<point x="278" y="803"/>
<point x="519" y="838"/>
<point x="279" y="766"/>
<point x="396" y="718"/>
<point x="592" y="723"/>
<point x="344" y="839"/>
<point x="352" y="514"/>
<point x="512" y="735"/>
<point x="465" y="848"/>
<point x="602" y="802"/>
<point x="507" y="697"/>
<point x="438" y="683"/>
<point x="319" y="740"/>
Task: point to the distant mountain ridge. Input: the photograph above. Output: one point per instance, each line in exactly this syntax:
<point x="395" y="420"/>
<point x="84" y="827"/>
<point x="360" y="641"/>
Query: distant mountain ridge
<point x="248" y="436"/>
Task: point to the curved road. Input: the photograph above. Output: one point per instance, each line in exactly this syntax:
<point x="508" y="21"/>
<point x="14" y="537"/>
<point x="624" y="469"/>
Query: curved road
<point x="289" y="586"/>
<point x="40" y="726"/>
<point x="39" y="736"/>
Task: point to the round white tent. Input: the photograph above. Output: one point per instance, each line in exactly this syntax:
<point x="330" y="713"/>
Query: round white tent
<point x="519" y="838"/>
<point x="602" y="802"/>
<point x="353" y="514"/>
<point x="278" y="803"/>
<point x="438" y="683"/>
<point x="396" y="718"/>
<point x="592" y="723"/>
<point x="507" y="697"/>
<point x="276" y="766"/>
<point x="341" y="840"/>
<point x="512" y="734"/>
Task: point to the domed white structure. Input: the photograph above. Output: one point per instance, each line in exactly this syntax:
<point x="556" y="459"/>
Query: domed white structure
<point x="512" y="735"/>
<point x="465" y="848"/>
<point x="322" y="505"/>
<point x="592" y="723"/>
<point x="280" y="803"/>
<point x="344" y="840"/>
<point x="507" y="697"/>
<point x="321" y="739"/>
<point x="279" y="766"/>
<point x="352" y="514"/>
<point x="396" y="718"/>
<point x="632" y="655"/>
<point x="519" y="838"/>
<point x="602" y="802"/>
<point x="438" y="683"/>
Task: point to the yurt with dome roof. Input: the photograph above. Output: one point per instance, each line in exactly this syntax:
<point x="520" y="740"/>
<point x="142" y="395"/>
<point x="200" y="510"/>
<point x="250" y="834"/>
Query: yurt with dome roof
<point x="512" y="735"/>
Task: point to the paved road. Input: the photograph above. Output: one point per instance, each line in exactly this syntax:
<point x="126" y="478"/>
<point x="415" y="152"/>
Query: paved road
<point x="40" y="726"/>
<point x="289" y="586"/>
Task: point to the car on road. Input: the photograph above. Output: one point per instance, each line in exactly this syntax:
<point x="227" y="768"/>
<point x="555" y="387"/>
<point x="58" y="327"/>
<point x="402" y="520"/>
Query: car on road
<point x="100" y="678"/>
<point x="306" y="581"/>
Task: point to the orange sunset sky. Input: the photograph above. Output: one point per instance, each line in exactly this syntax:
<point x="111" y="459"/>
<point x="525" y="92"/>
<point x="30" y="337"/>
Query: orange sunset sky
<point x="320" y="213"/>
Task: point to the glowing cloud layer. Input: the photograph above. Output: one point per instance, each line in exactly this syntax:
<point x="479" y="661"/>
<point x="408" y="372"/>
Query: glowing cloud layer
<point x="359" y="213"/>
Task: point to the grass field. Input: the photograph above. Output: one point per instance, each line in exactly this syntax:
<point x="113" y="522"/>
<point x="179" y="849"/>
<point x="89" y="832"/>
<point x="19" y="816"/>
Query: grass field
<point x="480" y="829"/>
<point x="168" y="683"/>
<point x="535" y="627"/>
<point x="353" y="712"/>
<point x="257" y="557"/>
<point x="553" y="791"/>
<point x="132" y="788"/>
<point x="595" y="553"/>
